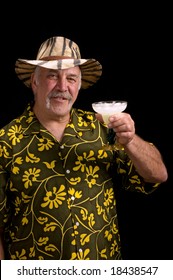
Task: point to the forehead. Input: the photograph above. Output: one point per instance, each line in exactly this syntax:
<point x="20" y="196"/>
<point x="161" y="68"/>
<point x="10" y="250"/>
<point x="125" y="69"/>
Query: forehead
<point x="69" y="71"/>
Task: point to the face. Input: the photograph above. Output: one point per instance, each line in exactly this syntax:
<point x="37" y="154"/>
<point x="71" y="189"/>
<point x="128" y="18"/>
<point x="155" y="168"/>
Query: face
<point x="55" y="91"/>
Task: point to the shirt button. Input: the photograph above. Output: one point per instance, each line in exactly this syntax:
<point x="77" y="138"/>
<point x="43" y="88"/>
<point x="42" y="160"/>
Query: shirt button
<point x="80" y="250"/>
<point x="72" y="198"/>
<point x="67" y="171"/>
<point x="62" y="147"/>
<point x="77" y="224"/>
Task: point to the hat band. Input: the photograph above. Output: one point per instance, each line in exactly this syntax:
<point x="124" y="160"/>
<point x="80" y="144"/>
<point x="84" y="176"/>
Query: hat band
<point x="47" y="58"/>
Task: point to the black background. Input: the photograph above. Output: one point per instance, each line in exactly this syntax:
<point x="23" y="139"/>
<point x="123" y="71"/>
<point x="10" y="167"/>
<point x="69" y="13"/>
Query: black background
<point x="133" y="44"/>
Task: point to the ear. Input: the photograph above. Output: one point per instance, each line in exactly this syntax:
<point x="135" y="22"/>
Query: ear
<point x="33" y="82"/>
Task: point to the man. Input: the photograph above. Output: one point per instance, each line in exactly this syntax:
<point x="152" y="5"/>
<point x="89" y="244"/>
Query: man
<point x="56" y="181"/>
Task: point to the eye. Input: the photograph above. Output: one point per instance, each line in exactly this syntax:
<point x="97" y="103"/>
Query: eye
<point x="71" y="79"/>
<point x="52" y="76"/>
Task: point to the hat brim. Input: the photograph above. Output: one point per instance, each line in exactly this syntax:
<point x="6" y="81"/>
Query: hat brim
<point x="91" y="69"/>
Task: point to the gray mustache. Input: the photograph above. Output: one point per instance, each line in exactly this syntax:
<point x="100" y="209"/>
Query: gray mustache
<point x="65" y="95"/>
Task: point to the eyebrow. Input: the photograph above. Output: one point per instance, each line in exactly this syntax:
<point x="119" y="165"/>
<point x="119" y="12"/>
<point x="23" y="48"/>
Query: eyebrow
<point x="69" y="74"/>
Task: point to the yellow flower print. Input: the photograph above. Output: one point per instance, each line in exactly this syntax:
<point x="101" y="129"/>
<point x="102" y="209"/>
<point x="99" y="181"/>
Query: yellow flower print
<point x="121" y="171"/>
<point x="29" y="120"/>
<point x="81" y="122"/>
<point x="31" y="116"/>
<point x="19" y="161"/>
<point x="24" y="221"/>
<point x="90" y="117"/>
<point x="84" y="238"/>
<point x="32" y="252"/>
<point x="91" y="176"/>
<point x="15" y="170"/>
<point x="43" y="241"/>
<point x="108" y="235"/>
<point x="74" y="234"/>
<point x="25" y="197"/>
<point x="19" y="256"/>
<point x="32" y="158"/>
<point x="135" y="179"/>
<point x="45" y="144"/>
<point x="70" y="125"/>
<point x="3" y="151"/>
<point x="50" y="248"/>
<point x="50" y="165"/>
<point x="74" y="181"/>
<point x="54" y="198"/>
<point x="93" y="125"/>
<point x="114" y="228"/>
<point x="91" y="220"/>
<point x="2" y="132"/>
<point x="17" y="205"/>
<point x="15" y="134"/>
<point x="76" y="194"/>
<point x="49" y="227"/>
<point x="81" y="255"/>
<point x="80" y="133"/>
<point x="99" y="209"/>
<point x="30" y="176"/>
<point x="103" y="253"/>
<point x="81" y="162"/>
<point x="108" y="197"/>
<point x="73" y="193"/>
<point x="84" y="213"/>
<point x="114" y="248"/>
<point x="102" y="154"/>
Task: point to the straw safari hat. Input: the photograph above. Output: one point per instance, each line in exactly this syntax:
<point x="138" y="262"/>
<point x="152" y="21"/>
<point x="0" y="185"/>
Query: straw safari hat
<point x="59" y="53"/>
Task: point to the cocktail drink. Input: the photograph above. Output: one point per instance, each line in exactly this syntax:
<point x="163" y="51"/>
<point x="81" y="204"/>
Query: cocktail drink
<point x="107" y="109"/>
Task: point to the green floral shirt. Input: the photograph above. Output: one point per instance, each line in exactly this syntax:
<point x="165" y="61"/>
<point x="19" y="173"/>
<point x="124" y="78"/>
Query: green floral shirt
<point x="57" y="199"/>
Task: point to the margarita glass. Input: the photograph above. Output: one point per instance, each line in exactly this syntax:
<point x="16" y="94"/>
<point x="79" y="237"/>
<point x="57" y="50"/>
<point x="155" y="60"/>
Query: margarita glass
<point x="107" y="109"/>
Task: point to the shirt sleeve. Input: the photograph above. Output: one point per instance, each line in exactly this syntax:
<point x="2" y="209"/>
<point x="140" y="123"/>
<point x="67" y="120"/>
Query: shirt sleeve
<point x="130" y="179"/>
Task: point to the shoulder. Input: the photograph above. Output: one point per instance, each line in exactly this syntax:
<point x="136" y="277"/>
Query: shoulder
<point x="15" y="125"/>
<point x="88" y="115"/>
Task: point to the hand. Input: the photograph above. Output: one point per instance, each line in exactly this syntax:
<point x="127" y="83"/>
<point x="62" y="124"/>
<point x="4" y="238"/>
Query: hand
<point x="124" y="126"/>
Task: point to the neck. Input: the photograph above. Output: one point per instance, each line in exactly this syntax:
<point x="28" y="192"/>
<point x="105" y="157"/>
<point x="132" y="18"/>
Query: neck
<point x="54" y="124"/>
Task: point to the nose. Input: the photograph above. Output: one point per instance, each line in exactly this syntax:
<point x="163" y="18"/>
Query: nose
<point x="61" y="84"/>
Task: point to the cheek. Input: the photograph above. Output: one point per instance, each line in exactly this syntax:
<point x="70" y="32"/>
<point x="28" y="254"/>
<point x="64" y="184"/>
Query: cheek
<point x="45" y="88"/>
<point x="41" y="93"/>
<point x="74" y="94"/>
<point x="75" y="91"/>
